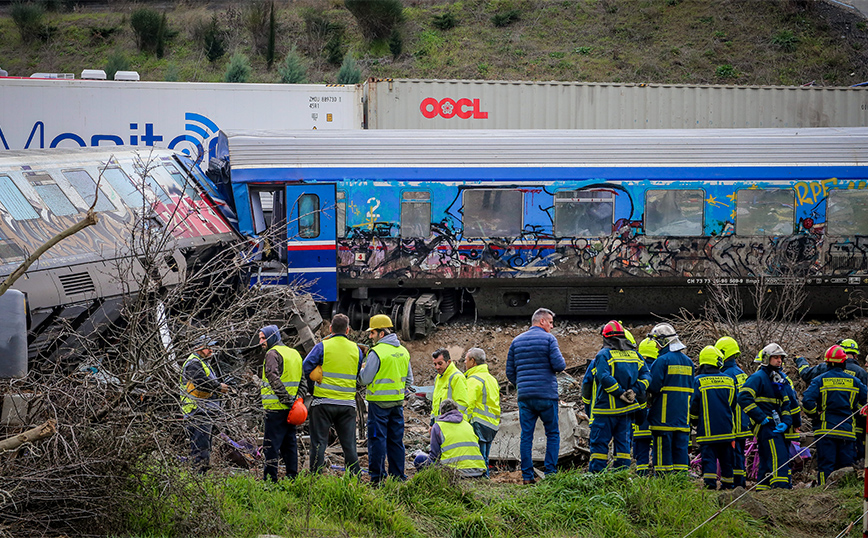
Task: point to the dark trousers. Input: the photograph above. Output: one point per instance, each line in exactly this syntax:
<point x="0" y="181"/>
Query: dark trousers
<point x="385" y="440"/>
<point x="669" y="452"/>
<point x="773" y="454"/>
<point x="280" y="443"/>
<point x="714" y="454"/>
<point x="605" y="428"/>
<point x="343" y="419"/>
<point x="833" y="453"/>
<point x="642" y="454"/>
<point x="486" y="436"/>
<point x="529" y="411"/>
<point x="739" y="474"/>
<point x="199" y="426"/>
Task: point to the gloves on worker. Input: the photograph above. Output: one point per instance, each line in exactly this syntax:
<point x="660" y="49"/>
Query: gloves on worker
<point x="765" y="421"/>
<point x="628" y="396"/>
<point x="781" y="428"/>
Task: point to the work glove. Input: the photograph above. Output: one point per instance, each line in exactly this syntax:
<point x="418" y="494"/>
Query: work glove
<point x="781" y="428"/>
<point x="628" y="396"/>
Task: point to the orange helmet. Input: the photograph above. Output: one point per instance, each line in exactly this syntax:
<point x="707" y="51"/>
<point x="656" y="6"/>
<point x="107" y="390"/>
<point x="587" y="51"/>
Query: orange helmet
<point x="836" y="354"/>
<point x="298" y="413"/>
<point x="613" y="328"/>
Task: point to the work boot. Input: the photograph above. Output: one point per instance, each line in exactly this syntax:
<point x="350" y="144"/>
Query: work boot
<point x="528" y="482"/>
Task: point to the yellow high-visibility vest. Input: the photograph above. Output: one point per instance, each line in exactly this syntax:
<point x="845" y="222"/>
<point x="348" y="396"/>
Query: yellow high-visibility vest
<point x="391" y="379"/>
<point x="340" y="367"/>
<point x="290" y="377"/>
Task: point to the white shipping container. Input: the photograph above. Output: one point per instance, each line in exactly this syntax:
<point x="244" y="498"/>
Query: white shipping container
<point x="185" y="116"/>
<point x="473" y="104"/>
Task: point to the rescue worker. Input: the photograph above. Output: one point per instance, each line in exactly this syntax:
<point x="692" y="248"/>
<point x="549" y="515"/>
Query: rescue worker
<point x="670" y="391"/>
<point x="711" y="410"/>
<point x="483" y="401"/>
<point x="199" y="401"/>
<point x="740" y="421"/>
<point x="764" y="398"/>
<point x="641" y="429"/>
<point x="279" y="388"/>
<point x="449" y="383"/>
<point x="453" y="443"/>
<point x="830" y="400"/>
<point x="387" y="374"/>
<point x="589" y="388"/>
<point x="337" y="361"/>
<point x="622" y="378"/>
<point x="851" y="367"/>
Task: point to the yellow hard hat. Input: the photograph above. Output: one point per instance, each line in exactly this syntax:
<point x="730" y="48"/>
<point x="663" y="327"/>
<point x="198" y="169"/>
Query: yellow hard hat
<point x="380" y="321"/>
<point x="710" y="355"/>
<point x="849" y="345"/>
<point x="630" y="338"/>
<point x="316" y="375"/>
<point x="648" y="348"/>
<point x="728" y="346"/>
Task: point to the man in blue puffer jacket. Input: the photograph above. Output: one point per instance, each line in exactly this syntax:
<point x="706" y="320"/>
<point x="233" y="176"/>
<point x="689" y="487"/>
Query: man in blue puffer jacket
<point x="534" y="359"/>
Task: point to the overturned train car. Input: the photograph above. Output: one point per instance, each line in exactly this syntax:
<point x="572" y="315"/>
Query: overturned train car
<point x="418" y="223"/>
<point x="75" y="290"/>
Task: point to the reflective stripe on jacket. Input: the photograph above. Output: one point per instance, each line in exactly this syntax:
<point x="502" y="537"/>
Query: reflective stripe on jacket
<point x="712" y="404"/>
<point x="460" y="448"/>
<point x="191" y="398"/>
<point x="290" y="376"/>
<point x="672" y="388"/>
<point x="391" y="379"/>
<point x="453" y="385"/>
<point x="615" y="372"/>
<point x="340" y="367"/>
<point x="834" y="396"/>
<point x="740" y="420"/>
<point x="759" y="397"/>
<point x="483" y="397"/>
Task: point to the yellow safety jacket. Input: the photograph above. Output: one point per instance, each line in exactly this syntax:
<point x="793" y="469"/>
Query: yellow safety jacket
<point x="483" y="397"/>
<point x="290" y="376"/>
<point x="460" y="448"/>
<point x="190" y="397"/>
<point x="340" y="368"/>
<point x="391" y="379"/>
<point x="452" y="385"/>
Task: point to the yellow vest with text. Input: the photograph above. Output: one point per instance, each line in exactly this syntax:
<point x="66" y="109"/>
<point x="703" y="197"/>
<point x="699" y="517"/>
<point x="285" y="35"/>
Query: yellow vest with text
<point x="391" y="379"/>
<point x="290" y="377"/>
<point x="460" y="448"/>
<point x="340" y="367"/>
<point x="485" y="410"/>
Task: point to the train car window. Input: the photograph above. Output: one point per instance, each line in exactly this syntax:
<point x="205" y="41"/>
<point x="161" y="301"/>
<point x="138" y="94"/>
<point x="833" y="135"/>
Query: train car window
<point x="764" y="212"/>
<point x="124" y="186"/>
<point x="15" y="202"/>
<point x="47" y="189"/>
<point x="308" y="216"/>
<point x="845" y="212"/>
<point x="341" y="210"/>
<point x="584" y="213"/>
<point x="86" y="187"/>
<point x="416" y="214"/>
<point x="674" y="213"/>
<point x="185" y="182"/>
<point x="492" y="213"/>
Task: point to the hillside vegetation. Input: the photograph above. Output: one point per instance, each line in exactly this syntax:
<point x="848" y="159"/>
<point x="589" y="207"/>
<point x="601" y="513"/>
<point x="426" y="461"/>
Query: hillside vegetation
<point x="766" y="42"/>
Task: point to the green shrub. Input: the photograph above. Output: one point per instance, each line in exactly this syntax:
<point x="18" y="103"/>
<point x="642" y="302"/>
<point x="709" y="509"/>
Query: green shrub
<point x="160" y="48"/>
<point x="334" y="48"/>
<point x="786" y="40"/>
<point x="116" y="62"/>
<point x="376" y="18"/>
<point x="102" y="34"/>
<point x="212" y="40"/>
<point x="28" y="19"/>
<point x="146" y="26"/>
<point x="238" y="69"/>
<point x="319" y="30"/>
<point x="349" y="73"/>
<point x="725" y="71"/>
<point x="396" y="43"/>
<point x="256" y="21"/>
<point x="505" y="18"/>
<point x="445" y="21"/>
<point x="172" y="73"/>
<point x="293" y="70"/>
<point x="52" y="6"/>
<point x="272" y="37"/>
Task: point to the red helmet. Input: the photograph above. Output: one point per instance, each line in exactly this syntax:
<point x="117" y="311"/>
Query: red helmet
<point x="836" y="354"/>
<point x="298" y="413"/>
<point x="613" y="328"/>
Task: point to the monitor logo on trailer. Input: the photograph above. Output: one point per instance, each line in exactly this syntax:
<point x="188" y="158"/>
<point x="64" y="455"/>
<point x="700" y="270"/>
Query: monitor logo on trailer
<point x="448" y="108"/>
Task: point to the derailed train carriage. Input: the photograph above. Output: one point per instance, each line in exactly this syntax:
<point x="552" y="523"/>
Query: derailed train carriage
<point x="418" y="224"/>
<point x="74" y="291"/>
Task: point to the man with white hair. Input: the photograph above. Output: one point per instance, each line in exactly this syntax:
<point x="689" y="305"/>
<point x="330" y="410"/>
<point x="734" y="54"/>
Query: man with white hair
<point x="483" y="400"/>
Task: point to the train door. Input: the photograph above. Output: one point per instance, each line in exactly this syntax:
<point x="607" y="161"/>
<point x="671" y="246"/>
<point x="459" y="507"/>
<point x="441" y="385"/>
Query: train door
<point x="311" y="234"/>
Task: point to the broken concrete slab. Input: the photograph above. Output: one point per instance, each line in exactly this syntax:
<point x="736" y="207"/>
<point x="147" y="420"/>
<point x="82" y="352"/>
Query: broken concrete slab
<point x="506" y="445"/>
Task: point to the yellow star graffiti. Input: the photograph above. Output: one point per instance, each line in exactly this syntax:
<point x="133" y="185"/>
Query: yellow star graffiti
<point x="732" y="197"/>
<point x="355" y="209"/>
<point x="714" y="203"/>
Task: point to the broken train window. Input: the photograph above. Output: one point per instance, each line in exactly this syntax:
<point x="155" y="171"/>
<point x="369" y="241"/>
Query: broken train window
<point x="492" y="213"/>
<point x="584" y="213"/>
<point x="86" y="187"/>
<point x="845" y="212"/>
<point x="674" y="212"/>
<point x="766" y="212"/>
<point x="415" y="214"/>
<point x="47" y="189"/>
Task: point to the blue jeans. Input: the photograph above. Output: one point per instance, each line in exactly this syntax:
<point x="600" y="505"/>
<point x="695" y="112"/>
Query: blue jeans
<point x="486" y="436"/>
<point x="280" y="443"/>
<point x="385" y="439"/>
<point x="547" y="411"/>
<point x="199" y="425"/>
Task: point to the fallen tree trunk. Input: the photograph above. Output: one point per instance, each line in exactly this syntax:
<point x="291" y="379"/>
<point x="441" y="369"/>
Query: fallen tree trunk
<point x="44" y="430"/>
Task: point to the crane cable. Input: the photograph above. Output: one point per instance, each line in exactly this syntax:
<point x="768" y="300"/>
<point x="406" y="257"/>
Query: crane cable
<point x="798" y="454"/>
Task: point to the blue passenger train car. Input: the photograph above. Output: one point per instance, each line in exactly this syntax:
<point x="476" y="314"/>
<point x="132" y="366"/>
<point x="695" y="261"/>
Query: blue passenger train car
<point x="418" y="223"/>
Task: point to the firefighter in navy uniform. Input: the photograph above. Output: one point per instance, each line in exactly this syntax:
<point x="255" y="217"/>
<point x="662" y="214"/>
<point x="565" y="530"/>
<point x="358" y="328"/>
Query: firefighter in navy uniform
<point x="740" y="421"/>
<point x="764" y="398"/>
<point x="830" y="400"/>
<point x="641" y="430"/>
<point x="670" y="391"/>
<point x="621" y="379"/>
<point x="711" y="410"/>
